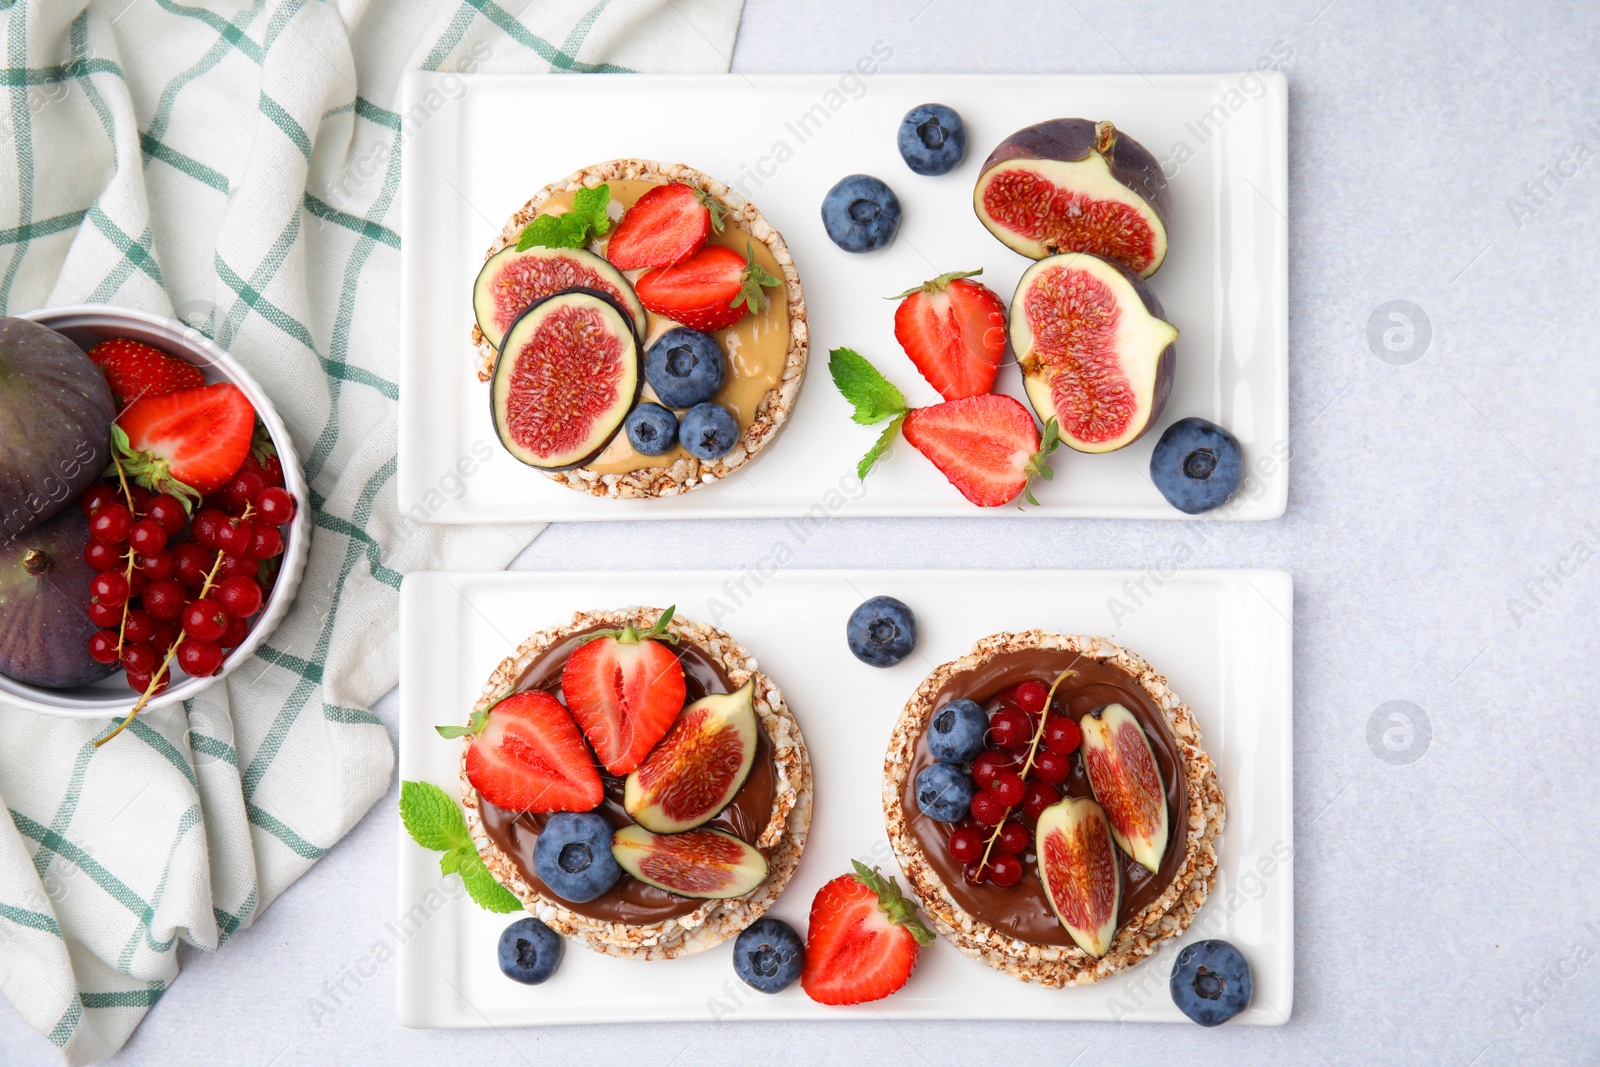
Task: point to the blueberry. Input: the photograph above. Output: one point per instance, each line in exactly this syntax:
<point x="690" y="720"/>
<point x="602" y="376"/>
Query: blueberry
<point x="768" y="955"/>
<point x="1197" y="465"/>
<point x="1211" y="982"/>
<point x="932" y="139"/>
<point x="861" y="213"/>
<point x="944" y="792"/>
<point x="529" y="952"/>
<point x="881" y="631"/>
<point x="685" y="367"/>
<point x="956" y="733"/>
<point x="572" y="856"/>
<point x="652" y="429"/>
<point x="708" y="431"/>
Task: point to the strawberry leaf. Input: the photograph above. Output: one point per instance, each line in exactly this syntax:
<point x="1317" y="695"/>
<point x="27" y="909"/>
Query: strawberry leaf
<point x="1037" y="465"/>
<point x="752" y="281"/>
<point x="901" y="912"/>
<point x="712" y="205"/>
<point x="936" y="285"/>
<point x="873" y="396"/>
<point x="148" y="470"/>
<point x="630" y="635"/>
<point x="261" y="446"/>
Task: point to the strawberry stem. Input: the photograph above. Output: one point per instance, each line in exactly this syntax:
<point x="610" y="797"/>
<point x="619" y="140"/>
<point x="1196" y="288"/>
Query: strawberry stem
<point x="937" y="285"/>
<point x="891" y="902"/>
<point x="751" y="282"/>
<point x="1037" y="466"/>
<point x="1027" y="765"/>
<point x="630" y="635"/>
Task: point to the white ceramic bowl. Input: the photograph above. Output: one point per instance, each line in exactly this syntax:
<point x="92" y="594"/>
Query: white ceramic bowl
<point x="87" y="325"/>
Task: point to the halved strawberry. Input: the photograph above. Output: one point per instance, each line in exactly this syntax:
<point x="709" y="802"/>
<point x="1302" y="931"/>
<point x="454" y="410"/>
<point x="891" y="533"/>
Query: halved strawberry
<point x="862" y="939"/>
<point x="187" y="443"/>
<point x="625" y="688"/>
<point x="954" y="330"/>
<point x="136" y="369"/>
<point x="712" y="289"/>
<point x="988" y="446"/>
<point x="527" y="755"/>
<point x="667" y="224"/>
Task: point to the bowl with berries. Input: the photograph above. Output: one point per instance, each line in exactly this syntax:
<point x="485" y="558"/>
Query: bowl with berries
<point x="152" y="527"/>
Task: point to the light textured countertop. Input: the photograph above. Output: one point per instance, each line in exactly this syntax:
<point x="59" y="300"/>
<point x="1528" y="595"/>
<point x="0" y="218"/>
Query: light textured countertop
<point x="1448" y="908"/>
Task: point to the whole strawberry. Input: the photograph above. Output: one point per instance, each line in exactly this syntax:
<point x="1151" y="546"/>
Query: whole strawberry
<point x="862" y="939"/>
<point x="137" y="370"/>
<point x="954" y="330"/>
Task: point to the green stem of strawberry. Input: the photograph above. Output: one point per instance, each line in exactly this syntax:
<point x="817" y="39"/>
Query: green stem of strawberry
<point x="1038" y="467"/>
<point x="172" y="650"/>
<point x="1027" y="765"/>
<point x="630" y="634"/>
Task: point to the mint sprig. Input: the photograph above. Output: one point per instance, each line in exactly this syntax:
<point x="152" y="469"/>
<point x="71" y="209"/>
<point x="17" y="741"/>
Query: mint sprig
<point x="573" y="228"/>
<point x="873" y="396"/>
<point x="435" y="822"/>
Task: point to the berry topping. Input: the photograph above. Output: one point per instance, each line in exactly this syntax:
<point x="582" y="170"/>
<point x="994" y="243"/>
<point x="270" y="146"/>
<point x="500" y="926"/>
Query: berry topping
<point x="1062" y="735"/>
<point x="944" y="793"/>
<point x="625" y="689"/>
<point x="711" y="290"/>
<point x="1031" y="697"/>
<point x="709" y="431"/>
<point x="1011" y="728"/>
<point x="572" y="856"/>
<point x="652" y="429"/>
<point x="667" y="224"/>
<point x="685" y="367"/>
<point x="1005" y="869"/>
<point x="956" y="733"/>
<point x="527" y="755"/>
<point x="966" y="844"/>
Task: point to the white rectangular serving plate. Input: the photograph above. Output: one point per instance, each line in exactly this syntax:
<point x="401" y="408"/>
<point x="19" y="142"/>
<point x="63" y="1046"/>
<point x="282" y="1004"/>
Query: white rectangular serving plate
<point x="1221" y="637"/>
<point x="479" y="146"/>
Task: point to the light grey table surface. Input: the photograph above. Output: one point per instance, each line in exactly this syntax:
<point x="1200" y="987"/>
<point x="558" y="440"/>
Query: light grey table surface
<point x="1439" y="533"/>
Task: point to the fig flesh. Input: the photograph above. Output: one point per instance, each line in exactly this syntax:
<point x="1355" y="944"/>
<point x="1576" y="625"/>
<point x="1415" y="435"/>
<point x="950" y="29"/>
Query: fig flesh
<point x="567" y="376"/>
<point x="695" y="770"/>
<point x="511" y="281"/>
<point x="1072" y="185"/>
<point x="44" y="588"/>
<point x="1078" y="867"/>
<point x="1095" y="352"/>
<point x="700" y="863"/>
<point x="1123" y="774"/>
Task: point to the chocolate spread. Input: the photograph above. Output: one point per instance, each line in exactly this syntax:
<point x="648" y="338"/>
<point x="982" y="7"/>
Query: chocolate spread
<point x="630" y="900"/>
<point x="1023" y="911"/>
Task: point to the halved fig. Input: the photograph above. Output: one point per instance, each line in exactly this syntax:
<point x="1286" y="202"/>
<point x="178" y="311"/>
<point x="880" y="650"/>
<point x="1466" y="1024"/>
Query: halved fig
<point x="1123" y="774"/>
<point x="567" y="376"/>
<point x="511" y="281"/>
<point x="698" y="766"/>
<point x="1078" y="867"/>
<point x="700" y="863"/>
<point x="1072" y="185"/>
<point x="1096" y="354"/>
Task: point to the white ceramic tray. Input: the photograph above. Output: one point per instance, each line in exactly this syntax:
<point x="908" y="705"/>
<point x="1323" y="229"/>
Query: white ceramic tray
<point x="484" y="144"/>
<point x="1221" y="637"/>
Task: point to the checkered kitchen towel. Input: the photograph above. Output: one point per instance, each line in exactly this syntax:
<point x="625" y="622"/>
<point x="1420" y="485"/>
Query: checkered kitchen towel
<point x="237" y="164"/>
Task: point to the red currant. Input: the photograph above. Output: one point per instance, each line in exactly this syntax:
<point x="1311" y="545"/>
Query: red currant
<point x="1031" y="697"/>
<point x="1051" y="767"/>
<point x="241" y="595"/>
<point x="975" y="872"/>
<point x="165" y="599"/>
<point x="1014" y="837"/>
<point x="1038" y="796"/>
<point x="1005" y="870"/>
<point x="101" y="556"/>
<point x="191" y="564"/>
<point x="233" y="564"/>
<point x="1061" y="734"/>
<point x="199" y="659"/>
<point x="166" y="633"/>
<point x="110" y="523"/>
<point x="203" y="530"/>
<point x="136" y="584"/>
<point x="102" y="614"/>
<point x="147" y="535"/>
<point x="155" y="566"/>
<point x="205" y="619"/>
<point x="109" y="588"/>
<point x="1009" y="728"/>
<point x="141" y="682"/>
<point x="139" y="627"/>
<point x="97" y="496"/>
<point x="987" y="764"/>
<point x="237" y="629"/>
<point x="268" y="542"/>
<point x="168" y="511"/>
<point x="103" y="646"/>
<point x="246" y="485"/>
<point x="275" y="506"/>
<point x="1008" y="787"/>
<point x="966" y="842"/>
<point x="235" y="535"/>
<point x="141" y="497"/>
<point x="139" y="659"/>
<point x="988" y="808"/>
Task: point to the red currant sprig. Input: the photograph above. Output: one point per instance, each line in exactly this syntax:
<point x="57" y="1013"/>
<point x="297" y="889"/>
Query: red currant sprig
<point x="984" y="862"/>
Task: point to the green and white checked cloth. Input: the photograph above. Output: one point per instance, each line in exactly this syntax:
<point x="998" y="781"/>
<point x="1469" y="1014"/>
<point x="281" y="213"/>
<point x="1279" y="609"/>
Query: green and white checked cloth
<point x="237" y="164"/>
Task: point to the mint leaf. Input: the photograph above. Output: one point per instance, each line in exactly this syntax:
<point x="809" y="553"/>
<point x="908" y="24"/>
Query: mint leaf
<point x="432" y="817"/>
<point x="546" y="231"/>
<point x="483" y="889"/>
<point x="880" y="446"/>
<point x="589" y="208"/>
<point x="874" y="397"/>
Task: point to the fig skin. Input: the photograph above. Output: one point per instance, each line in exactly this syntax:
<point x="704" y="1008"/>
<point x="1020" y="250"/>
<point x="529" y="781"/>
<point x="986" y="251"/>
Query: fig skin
<point x="44" y="586"/>
<point x="1166" y="363"/>
<point x="1075" y="140"/>
<point x="638" y="384"/>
